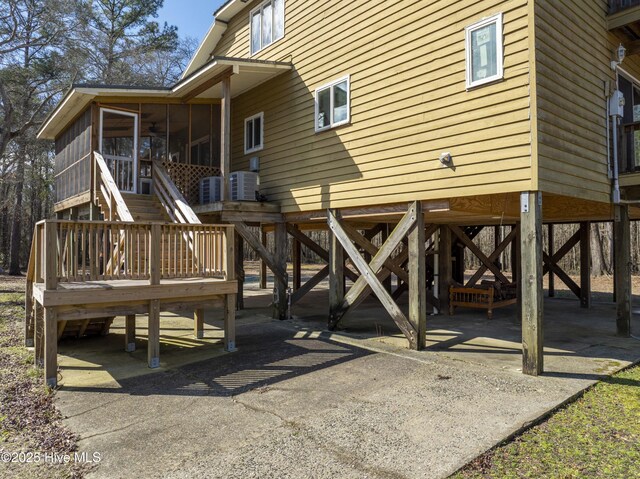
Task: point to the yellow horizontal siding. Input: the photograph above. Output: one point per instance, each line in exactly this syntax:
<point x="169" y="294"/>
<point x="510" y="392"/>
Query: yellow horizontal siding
<point x="406" y="61"/>
<point x="573" y="52"/>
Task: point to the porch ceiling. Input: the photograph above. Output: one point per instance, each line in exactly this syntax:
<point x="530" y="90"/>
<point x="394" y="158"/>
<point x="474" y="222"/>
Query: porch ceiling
<point x="204" y="83"/>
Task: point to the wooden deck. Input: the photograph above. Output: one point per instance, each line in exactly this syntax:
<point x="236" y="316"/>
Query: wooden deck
<point x="93" y="271"/>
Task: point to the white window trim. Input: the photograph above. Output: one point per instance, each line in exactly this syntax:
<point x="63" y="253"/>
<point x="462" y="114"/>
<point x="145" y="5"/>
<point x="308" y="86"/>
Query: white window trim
<point x="261" y="145"/>
<point x="497" y="19"/>
<point x="274" y="40"/>
<point x="330" y="85"/>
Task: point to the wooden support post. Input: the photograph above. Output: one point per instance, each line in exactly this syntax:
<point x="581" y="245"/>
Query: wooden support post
<point x="445" y="267"/>
<point x="230" y="300"/>
<point x="50" y="347"/>
<point x="417" y="279"/>
<point x="130" y="333"/>
<point x="622" y="273"/>
<point x="515" y="258"/>
<point x="585" y="264"/>
<point x="225" y="136"/>
<point x="155" y="254"/>
<point x="336" y="275"/>
<point x="239" y="271"/>
<point x="198" y="323"/>
<point x="153" y="334"/>
<point x="385" y="236"/>
<point x="551" y="247"/>
<point x="263" y="264"/>
<point x="230" y="323"/>
<point x="297" y="265"/>
<point x="280" y="307"/>
<point x="38" y="320"/>
<point x="531" y="274"/>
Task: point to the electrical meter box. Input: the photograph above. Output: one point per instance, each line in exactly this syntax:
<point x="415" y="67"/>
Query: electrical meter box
<point x="616" y="104"/>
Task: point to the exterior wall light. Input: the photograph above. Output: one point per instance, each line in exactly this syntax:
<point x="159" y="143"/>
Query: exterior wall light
<point x="620" y="54"/>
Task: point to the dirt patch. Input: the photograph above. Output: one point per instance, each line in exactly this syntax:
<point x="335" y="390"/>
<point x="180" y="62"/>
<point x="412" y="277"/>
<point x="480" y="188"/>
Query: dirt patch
<point x="33" y="441"/>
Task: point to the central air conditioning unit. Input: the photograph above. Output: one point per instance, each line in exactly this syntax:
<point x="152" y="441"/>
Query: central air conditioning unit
<point x="245" y="185"/>
<point x="210" y="189"/>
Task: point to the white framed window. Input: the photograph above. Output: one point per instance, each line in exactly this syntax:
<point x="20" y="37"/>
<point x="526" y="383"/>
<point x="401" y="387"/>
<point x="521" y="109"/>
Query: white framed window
<point x="254" y="133"/>
<point x="484" y="51"/>
<point x="267" y="24"/>
<point x="333" y="104"/>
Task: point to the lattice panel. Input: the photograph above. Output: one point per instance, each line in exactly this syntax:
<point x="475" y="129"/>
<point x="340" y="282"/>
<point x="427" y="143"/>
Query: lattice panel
<point x="187" y="178"/>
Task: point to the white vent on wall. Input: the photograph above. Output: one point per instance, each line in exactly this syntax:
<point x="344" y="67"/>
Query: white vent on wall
<point x="210" y="189"/>
<point x="245" y="185"/>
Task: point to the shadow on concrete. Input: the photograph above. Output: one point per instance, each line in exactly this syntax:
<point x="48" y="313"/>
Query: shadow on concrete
<point x="266" y="355"/>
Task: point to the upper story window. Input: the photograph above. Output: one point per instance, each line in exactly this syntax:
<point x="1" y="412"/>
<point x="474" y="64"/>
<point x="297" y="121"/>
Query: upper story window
<point x="253" y="133"/>
<point x="484" y="51"/>
<point x="267" y="24"/>
<point x="332" y="104"/>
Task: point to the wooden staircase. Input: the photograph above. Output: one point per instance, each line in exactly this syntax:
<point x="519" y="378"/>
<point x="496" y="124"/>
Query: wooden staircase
<point x="146" y="208"/>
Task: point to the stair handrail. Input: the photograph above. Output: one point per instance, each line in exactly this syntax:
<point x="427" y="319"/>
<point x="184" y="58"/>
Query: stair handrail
<point x="107" y="186"/>
<point x="170" y="197"/>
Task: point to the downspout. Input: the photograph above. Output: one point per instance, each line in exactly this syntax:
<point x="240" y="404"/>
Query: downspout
<point x="612" y="113"/>
<point x="607" y="95"/>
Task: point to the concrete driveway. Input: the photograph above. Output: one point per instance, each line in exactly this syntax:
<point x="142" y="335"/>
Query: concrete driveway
<point x="297" y="402"/>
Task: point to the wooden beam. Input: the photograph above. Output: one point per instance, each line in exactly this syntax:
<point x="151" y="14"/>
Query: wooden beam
<point x="492" y="258"/>
<point x="294" y="231"/>
<point x="239" y="270"/>
<point x="155" y="257"/>
<point x="220" y="77"/>
<point x="297" y="266"/>
<point x="153" y="334"/>
<point x="418" y="279"/>
<point x="309" y="285"/>
<point x="62" y="325"/>
<point x="336" y="277"/>
<point x="532" y="292"/>
<point x="372" y="250"/>
<point x="230" y="323"/>
<point x="445" y="267"/>
<point x="622" y="273"/>
<point x="360" y="290"/>
<point x="83" y="327"/>
<point x="280" y="309"/>
<point x="38" y="336"/>
<point x="263" y="265"/>
<point x="564" y="249"/>
<point x="585" y="264"/>
<point x="279" y="272"/>
<point x="564" y="277"/>
<point x="225" y="137"/>
<point x="550" y="248"/>
<point x="50" y="347"/>
<point x="478" y="253"/>
<point x="369" y="274"/>
<point x="130" y="333"/>
<point x="198" y="323"/>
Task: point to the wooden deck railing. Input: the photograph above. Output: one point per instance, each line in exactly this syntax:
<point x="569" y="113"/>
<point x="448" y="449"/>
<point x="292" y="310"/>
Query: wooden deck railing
<point x="82" y="251"/>
<point x="108" y="192"/>
<point x="171" y="198"/>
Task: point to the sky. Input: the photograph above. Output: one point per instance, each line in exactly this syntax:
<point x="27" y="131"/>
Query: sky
<point x="192" y="17"/>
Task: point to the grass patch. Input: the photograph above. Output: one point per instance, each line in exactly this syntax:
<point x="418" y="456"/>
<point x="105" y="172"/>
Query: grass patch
<point x="598" y="436"/>
<point x="29" y="420"/>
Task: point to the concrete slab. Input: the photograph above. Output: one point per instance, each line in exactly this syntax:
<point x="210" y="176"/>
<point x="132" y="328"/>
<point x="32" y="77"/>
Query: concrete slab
<point x="297" y="401"/>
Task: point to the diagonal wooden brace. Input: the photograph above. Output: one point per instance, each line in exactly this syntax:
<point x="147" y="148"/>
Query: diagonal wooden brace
<point x="295" y="232"/>
<point x="492" y="258"/>
<point x="368" y="272"/>
<point x="478" y="253"/>
<point x="257" y="245"/>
